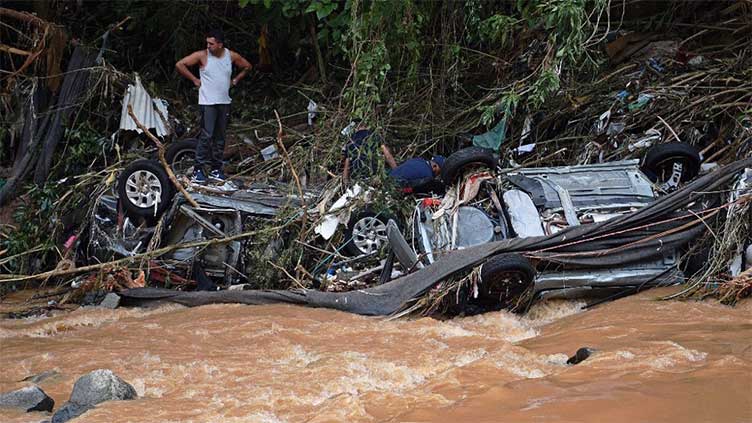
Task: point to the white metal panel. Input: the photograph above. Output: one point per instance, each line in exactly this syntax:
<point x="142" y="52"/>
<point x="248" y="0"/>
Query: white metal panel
<point x="143" y="108"/>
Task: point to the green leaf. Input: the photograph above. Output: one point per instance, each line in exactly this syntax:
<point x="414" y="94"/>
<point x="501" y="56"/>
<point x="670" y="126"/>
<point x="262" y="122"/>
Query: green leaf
<point x="325" y="11"/>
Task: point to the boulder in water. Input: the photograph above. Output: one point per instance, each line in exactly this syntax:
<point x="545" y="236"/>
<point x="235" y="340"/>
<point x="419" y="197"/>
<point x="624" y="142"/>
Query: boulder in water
<point x="101" y="385"/>
<point x="70" y="410"/>
<point x="581" y="355"/>
<point x="91" y="389"/>
<point x="30" y="398"/>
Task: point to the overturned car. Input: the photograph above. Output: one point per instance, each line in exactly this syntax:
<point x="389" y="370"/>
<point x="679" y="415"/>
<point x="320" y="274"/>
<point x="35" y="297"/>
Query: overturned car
<point x="575" y="231"/>
<point x="487" y="206"/>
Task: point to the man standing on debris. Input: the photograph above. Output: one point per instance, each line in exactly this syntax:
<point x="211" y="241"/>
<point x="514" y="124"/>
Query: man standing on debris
<point x="215" y="71"/>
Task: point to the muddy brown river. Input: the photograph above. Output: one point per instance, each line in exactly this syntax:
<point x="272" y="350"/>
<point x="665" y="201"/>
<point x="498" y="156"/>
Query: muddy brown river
<point x="655" y="362"/>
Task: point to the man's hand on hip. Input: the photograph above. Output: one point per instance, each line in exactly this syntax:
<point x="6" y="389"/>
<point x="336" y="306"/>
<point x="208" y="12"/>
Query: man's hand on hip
<point x="197" y="83"/>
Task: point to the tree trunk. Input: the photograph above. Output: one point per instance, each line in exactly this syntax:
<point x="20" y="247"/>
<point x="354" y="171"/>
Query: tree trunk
<point x="41" y="136"/>
<point x="74" y="85"/>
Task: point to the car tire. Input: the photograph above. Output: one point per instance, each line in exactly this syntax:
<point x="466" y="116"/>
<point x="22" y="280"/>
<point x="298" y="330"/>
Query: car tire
<point x="366" y="233"/>
<point x="504" y="278"/>
<point x="181" y="155"/>
<point x="144" y="189"/>
<point x="461" y="160"/>
<point x="660" y="159"/>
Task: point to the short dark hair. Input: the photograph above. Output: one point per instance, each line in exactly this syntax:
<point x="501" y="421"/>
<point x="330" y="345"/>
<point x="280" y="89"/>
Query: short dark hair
<point x="217" y="34"/>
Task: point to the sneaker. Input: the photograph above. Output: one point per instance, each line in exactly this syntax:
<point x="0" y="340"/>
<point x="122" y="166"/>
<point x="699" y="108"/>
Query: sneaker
<point x="217" y="175"/>
<point x="198" y="177"/>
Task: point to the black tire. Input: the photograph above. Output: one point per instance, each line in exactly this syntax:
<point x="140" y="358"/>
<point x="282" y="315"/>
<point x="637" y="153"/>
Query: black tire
<point x="357" y="242"/>
<point x="504" y="278"/>
<point x="181" y="155"/>
<point x="659" y="161"/>
<point x="460" y="160"/>
<point x="143" y="184"/>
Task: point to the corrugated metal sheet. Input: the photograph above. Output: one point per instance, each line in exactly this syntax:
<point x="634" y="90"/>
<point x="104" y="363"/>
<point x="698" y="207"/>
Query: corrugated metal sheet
<point x="144" y="109"/>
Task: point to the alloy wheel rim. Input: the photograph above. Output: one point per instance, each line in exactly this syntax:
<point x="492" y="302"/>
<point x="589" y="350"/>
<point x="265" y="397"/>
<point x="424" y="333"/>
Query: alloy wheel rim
<point x="369" y="234"/>
<point x="143" y="189"/>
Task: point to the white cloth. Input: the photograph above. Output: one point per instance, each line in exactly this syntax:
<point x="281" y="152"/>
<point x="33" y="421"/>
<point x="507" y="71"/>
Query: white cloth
<point x="215" y="80"/>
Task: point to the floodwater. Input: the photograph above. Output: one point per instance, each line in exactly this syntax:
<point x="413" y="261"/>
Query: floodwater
<point x="655" y="362"/>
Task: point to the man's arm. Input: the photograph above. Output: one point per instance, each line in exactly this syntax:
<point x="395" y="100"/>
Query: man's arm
<point x="388" y="157"/>
<point x="192" y="59"/>
<point x="243" y="64"/>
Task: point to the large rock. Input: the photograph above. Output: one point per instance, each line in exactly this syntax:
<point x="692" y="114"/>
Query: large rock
<point x="100" y="385"/>
<point x="30" y="398"/>
<point x="70" y="410"/>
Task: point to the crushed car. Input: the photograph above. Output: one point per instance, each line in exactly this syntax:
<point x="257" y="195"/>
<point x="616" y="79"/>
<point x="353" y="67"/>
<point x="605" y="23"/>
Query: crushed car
<point x="491" y="205"/>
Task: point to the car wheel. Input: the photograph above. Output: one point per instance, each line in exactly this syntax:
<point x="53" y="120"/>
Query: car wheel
<point x="181" y="156"/>
<point x="144" y="189"/>
<point x="462" y="160"/>
<point x="366" y="233"/>
<point x="671" y="164"/>
<point x="503" y="278"/>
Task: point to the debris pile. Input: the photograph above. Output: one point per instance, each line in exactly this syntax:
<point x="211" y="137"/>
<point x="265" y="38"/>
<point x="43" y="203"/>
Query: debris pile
<point x="673" y="103"/>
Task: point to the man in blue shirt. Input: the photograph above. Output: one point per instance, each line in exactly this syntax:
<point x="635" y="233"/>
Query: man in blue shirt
<point x="362" y="153"/>
<point x="417" y="171"/>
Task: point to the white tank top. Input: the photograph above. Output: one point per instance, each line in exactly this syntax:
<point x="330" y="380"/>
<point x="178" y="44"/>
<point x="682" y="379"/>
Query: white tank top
<point x="215" y="79"/>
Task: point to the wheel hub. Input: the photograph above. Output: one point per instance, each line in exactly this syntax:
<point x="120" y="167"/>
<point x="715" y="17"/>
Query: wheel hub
<point x="369" y="234"/>
<point x="677" y="170"/>
<point x="143" y="189"/>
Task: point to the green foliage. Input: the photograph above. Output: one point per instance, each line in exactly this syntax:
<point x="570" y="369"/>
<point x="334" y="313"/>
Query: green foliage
<point x="499" y="29"/>
<point x="322" y="8"/>
<point x="83" y="147"/>
<point x="506" y="106"/>
<point x="37" y="223"/>
<point x="566" y="21"/>
<point x="370" y="75"/>
<point x="383" y="36"/>
<point x="332" y="17"/>
<point x="4" y="135"/>
<point x="565" y="26"/>
<point x="545" y="86"/>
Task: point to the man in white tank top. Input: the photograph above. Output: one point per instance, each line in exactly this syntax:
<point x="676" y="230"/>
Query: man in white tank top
<point x="215" y="71"/>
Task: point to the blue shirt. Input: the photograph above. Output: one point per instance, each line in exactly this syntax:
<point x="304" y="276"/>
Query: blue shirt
<point x="412" y="171"/>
